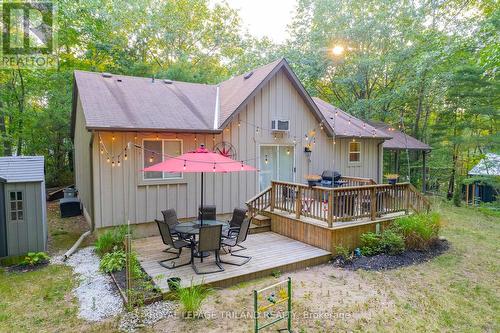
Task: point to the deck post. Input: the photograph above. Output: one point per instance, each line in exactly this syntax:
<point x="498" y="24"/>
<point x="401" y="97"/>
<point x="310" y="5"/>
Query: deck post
<point x="330" y="208"/>
<point x="298" y="202"/>
<point x="273" y="197"/>
<point x="467" y="194"/>
<point x="407" y="198"/>
<point x="373" y="204"/>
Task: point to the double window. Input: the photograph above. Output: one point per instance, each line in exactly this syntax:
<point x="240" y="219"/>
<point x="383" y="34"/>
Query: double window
<point x="354" y="152"/>
<point x="156" y="151"/>
<point x="16" y="206"/>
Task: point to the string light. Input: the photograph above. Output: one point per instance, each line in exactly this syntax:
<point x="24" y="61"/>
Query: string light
<point x="113" y="138"/>
<point x="214" y="167"/>
<point x="184" y="165"/>
<point x="257" y="130"/>
<point x="275" y="137"/>
<point x="265" y="161"/>
<point x="307" y="138"/>
<point x="195" y="138"/>
<point x="288" y="151"/>
<point x="118" y="162"/>
<point x="125" y="155"/>
<point x="113" y="164"/>
<point x="241" y="165"/>
<point x="102" y="151"/>
<point x="213" y="138"/>
<point x="108" y="160"/>
<point x="157" y="137"/>
<point x="152" y="158"/>
<point x="239" y="123"/>
<point x="294" y="140"/>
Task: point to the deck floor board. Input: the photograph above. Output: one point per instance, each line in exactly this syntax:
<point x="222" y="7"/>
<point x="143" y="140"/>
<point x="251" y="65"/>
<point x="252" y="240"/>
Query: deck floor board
<point x="269" y="251"/>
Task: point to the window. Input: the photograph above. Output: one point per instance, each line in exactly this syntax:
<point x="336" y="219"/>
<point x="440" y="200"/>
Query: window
<point x="156" y="151"/>
<point x="354" y="152"/>
<point x="16" y="205"/>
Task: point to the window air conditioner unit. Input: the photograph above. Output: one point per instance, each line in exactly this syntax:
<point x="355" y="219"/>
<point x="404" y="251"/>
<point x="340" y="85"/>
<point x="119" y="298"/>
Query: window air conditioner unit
<point x="280" y="125"/>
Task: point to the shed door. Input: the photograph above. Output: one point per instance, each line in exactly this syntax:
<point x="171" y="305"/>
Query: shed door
<point x="3" y="227"/>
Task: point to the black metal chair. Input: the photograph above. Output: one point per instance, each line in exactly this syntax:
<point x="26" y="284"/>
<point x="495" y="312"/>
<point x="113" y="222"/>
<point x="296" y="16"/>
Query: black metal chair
<point x="177" y="244"/>
<point x="209" y="240"/>
<point x="209" y="212"/>
<point x="239" y="215"/>
<point x="170" y="218"/>
<point x="236" y="241"/>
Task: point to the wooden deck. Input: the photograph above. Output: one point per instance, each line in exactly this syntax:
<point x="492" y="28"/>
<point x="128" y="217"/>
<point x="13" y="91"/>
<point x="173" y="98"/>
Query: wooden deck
<point x="269" y="252"/>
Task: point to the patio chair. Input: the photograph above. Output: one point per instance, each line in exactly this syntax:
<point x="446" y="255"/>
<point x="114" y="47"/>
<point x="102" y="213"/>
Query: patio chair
<point x="209" y="212"/>
<point x="239" y="215"/>
<point x="170" y="217"/>
<point x="177" y="244"/>
<point x="209" y="240"/>
<point x="236" y="241"/>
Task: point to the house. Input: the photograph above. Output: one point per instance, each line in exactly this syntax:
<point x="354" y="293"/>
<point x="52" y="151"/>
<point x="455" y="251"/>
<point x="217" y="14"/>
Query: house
<point x="484" y="185"/>
<point x="23" y="216"/>
<point x="266" y="118"/>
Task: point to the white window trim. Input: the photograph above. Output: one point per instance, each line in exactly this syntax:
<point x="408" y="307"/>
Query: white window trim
<point x="277" y="147"/>
<point x="155" y="180"/>
<point x="349" y="153"/>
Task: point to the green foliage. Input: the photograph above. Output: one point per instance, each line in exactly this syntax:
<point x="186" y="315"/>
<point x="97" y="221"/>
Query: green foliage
<point x="418" y="230"/>
<point x="110" y="240"/>
<point x="343" y="252"/>
<point x="35" y="258"/>
<point x="113" y="261"/>
<point x="192" y="298"/>
<point x="388" y="242"/>
<point x="276" y="273"/>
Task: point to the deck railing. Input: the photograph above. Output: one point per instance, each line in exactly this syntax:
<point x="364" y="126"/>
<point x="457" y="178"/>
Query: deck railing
<point x="339" y="204"/>
<point x="356" y="181"/>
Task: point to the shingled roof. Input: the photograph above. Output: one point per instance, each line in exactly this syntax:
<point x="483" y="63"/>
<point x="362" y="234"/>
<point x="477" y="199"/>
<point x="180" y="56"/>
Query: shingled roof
<point x="399" y="140"/>
<point x="346" y="125"/>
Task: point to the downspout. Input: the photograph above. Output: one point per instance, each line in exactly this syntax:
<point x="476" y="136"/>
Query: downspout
<point x="92" y="225"/>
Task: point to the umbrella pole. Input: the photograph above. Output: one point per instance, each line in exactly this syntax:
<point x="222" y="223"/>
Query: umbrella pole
<point x="202" y="204"/>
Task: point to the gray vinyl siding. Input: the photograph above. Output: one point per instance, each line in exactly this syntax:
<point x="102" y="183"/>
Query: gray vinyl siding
<point x="82" y="161"/>
<point x="30" y="234"/>
<point x="121" y="194"/>
<point x="370" y="158"/>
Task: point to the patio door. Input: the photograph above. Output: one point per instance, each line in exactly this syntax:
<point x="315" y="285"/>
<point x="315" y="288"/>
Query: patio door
<point x="277" y="162"/>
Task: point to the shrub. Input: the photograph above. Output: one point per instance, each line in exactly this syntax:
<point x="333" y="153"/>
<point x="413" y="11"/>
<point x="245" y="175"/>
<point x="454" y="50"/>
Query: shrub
<point x="192" y="298"/>
<point x="111" y="239"/>
<point x="113" y="261"/>
<point x="419" y="231"/>
<point x="343" y="252"/>
<point x="391" y="242"/>
<point x="370" y="244"/>
<point x="35" y="258"/>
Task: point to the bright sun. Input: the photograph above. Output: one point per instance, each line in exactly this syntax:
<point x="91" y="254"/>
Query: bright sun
<point x="338" y="50"/>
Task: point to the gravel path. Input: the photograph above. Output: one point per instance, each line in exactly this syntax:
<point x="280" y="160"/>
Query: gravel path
<point x="146" y="316"/>
<point x="96" y="293"/>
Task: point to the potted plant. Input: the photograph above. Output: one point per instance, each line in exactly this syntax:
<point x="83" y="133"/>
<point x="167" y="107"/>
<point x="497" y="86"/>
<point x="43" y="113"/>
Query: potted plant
<point x="392" y="178"/>
<point x="312" y="179"/>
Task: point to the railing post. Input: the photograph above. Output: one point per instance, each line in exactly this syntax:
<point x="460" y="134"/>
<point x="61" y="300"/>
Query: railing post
<point x="373" y="204"/>
<point x="407" y="198"/>
<point x="273" y="197"/>
<point x="330" y="208"/>
<point x="298" y="202"/>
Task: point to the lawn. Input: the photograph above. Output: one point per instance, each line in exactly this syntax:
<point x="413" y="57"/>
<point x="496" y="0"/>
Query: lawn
<point x="455" y="292"/>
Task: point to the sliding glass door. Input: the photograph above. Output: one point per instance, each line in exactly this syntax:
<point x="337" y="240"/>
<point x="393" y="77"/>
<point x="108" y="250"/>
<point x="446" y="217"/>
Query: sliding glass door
<point x="277" y="162"/>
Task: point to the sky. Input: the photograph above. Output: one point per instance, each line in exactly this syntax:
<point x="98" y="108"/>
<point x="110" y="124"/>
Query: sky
<point x="265" y="17"/>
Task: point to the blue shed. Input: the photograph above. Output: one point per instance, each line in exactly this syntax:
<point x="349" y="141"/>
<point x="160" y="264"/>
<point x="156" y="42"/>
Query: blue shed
<point x="23" y="214"/>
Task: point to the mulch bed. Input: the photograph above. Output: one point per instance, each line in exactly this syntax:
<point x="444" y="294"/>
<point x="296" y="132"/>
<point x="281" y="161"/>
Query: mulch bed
<point x="26" y="268"/>
<point x="384" y="261"/>
<point x="150" y="296"/>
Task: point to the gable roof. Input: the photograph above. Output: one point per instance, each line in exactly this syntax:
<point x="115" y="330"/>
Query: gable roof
<point x="17" y="169"/>
<point x="488" y="166"/>
<point x="118" y="102"/>
<point x="346" y="125"/>
<point x="137" y="103"/>
<point x="400" y="140"/>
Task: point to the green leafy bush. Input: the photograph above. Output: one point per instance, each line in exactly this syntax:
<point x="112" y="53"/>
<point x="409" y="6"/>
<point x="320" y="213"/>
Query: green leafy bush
<point x="192" y="298"/>
<point x="111" y="239"/>
<point x="370" y="244"/>
<point x="391" y="242"/>
<point x="113" y="261"/>
<point x="419" y="231"/>
<point x="343" y="252"/>
<point x="387" y="242"/>
<point x="35" y="258"/>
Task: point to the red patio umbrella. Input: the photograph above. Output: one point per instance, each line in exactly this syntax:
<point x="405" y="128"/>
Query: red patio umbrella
<point x="201" y="160"/>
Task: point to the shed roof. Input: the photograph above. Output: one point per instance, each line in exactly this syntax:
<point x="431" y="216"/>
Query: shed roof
<point x="399" y="140"/>
<point x="22" y="169"/>
<point x="346" y="125"/>
<point x="488" y="166"/>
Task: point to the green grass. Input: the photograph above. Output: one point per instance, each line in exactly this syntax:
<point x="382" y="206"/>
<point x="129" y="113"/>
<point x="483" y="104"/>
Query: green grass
<point x="455" y="292"/>
<point x="41" y="301"/>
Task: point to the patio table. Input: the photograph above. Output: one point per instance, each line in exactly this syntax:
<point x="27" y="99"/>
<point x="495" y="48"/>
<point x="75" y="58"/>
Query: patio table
<point x="192" y="228"/>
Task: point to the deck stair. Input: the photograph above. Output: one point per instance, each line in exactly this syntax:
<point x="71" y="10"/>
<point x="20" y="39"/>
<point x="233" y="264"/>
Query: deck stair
<point x="260" y="223"/>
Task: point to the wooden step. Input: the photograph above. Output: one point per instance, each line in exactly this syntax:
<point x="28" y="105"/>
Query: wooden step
<point x="257" y="229"/>
<point x="261" y="220"/>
